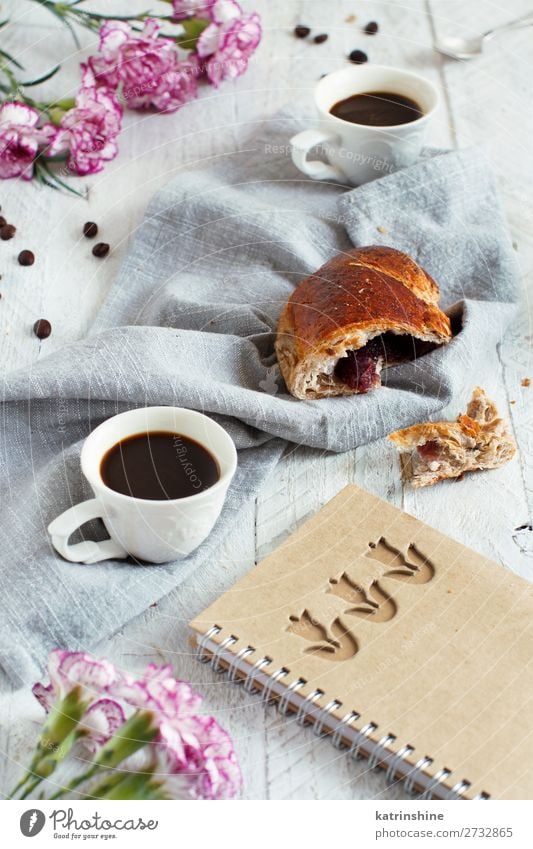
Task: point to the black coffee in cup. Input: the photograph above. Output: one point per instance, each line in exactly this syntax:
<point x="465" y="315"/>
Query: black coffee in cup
<point x="377" y="109"/>
<point x="159" y="465"/>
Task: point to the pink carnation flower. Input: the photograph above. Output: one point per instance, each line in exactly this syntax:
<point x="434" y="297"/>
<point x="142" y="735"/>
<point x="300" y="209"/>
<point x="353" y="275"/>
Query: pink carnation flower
<point x="191" y="9"/>
<point x="229" y="41"/>
<point x="192" y="755"/>
<point x="146" y="67"/>
<point x="89" y="131"/>
<point x="20" y="139"/>
<point x="66" y="670"/>
<point x="178" y="86"/>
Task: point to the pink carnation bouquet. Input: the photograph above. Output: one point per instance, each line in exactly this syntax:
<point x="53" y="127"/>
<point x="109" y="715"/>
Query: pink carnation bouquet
<point x="137" y="66"/>
<point x="137" y="738"/>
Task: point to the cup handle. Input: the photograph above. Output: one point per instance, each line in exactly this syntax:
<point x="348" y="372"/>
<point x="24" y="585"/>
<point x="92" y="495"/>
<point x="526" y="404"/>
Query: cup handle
<point x="82" y="552"/>
<point x="302" y="143"/>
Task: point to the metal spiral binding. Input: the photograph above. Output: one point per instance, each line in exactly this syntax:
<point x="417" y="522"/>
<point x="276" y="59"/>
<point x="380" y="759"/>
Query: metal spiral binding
<point x="318" y="727"/>
<point x="410" y="780"/>
<point x="233" y="667"/>
<point x="379" y="750"/>
<point x="459" y="788"/>
<point x="249" y="681"/>
<point x="304" y="714"/>
<point x="202" y="642"/>
<point x="360" y="738"/>
<point x="396" y="761"/>
<point x="284" y="702"/>
<point x="215" y="658"/>
<point x="267" y="689"/>
<point x="440" y="776"/>
<point x="344" y="723"/>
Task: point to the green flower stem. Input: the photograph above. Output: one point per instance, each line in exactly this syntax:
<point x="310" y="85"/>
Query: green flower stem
<point x="17" y="787"/>
<point x="136" y="786"/>
<point x="65" y="104"/>
<point x="45" y="766"/>
<point x="64" y="10"/>
<point x="59" y="733"/>
<point x="79" y="779"/>
<point x="136" y="732"/>
<point x="70" y="14"/>
<point x="106" y="783"/>
<point x="56" y="109"/>
<point x="62" y="720"/>
<point x="193" y="28"/>
<point x="30" y="788"/>
<point x="132" y="735"/>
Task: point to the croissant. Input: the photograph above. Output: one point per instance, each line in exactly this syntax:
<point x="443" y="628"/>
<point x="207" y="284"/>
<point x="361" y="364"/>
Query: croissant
<point x="479" y="439"/>
<point x="361" y="312"/>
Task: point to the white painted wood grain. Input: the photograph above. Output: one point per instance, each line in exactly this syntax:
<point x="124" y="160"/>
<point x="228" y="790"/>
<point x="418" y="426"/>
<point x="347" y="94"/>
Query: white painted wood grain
<point x="487" y="103"/>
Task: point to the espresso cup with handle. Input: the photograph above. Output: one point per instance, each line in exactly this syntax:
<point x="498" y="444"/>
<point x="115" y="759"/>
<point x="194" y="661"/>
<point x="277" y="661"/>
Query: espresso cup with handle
<point x="358" y="153"/>
<point x="156" y="531"/>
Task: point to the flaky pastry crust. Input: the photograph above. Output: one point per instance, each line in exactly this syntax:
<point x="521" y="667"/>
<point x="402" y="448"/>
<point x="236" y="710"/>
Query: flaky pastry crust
<point x="434" y="451"/>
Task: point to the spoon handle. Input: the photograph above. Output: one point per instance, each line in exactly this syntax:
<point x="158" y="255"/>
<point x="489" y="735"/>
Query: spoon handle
<point x="518" y="23"/>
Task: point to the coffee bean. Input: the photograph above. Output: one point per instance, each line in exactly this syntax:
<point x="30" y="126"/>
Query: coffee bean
<point x="101" y="249"/>
<point x="90" y="229"/>
<point x="371" y="28"/>
<point x="26" y="258"/>
<point x="7" y="231"/>
<point x="358" y="57"/>
<point x="301" y="31"/>
<point x="2" y="221"/>
<point x="320" y="39"/>
<point x="42" y="328"/>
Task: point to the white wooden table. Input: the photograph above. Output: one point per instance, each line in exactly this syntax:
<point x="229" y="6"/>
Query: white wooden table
<point x="486" y="102"/>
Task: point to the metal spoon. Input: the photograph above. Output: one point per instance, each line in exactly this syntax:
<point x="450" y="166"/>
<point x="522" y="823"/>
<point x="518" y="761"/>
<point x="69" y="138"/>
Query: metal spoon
<point x="469" y="48"/>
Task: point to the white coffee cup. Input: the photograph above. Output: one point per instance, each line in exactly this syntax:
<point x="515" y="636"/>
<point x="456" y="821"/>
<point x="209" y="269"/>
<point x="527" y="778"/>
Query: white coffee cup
<point x="149" y="530"/>
<point x="358" y="153"/>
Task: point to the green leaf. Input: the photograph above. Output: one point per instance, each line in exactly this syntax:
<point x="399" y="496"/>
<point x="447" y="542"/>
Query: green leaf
<point x="42" y="79"/>
<point x="72" y="32"/>
<point x="47" y="178"/>
<point x="11" y="59"/>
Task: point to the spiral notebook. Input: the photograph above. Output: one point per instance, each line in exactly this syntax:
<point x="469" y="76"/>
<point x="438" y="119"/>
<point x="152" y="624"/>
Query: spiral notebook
<point x="393" y="640"/>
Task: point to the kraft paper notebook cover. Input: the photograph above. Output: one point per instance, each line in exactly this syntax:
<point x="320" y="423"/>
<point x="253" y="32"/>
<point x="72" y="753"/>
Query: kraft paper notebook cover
<point x="395" y="640"/>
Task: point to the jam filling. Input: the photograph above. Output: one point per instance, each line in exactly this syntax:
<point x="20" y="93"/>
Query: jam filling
<point x="429" y="451"/>
<point x="360" y="369"/>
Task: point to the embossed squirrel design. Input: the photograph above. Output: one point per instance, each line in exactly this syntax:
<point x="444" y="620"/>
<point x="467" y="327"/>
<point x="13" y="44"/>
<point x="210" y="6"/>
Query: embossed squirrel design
<point x="373" y="604"/>
<point x="341" y="645"/>
<point x="417" y="569"/>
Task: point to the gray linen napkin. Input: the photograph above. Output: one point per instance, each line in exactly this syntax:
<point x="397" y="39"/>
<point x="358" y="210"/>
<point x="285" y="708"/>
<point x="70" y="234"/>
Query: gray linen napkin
<point x="190" y="321"/>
